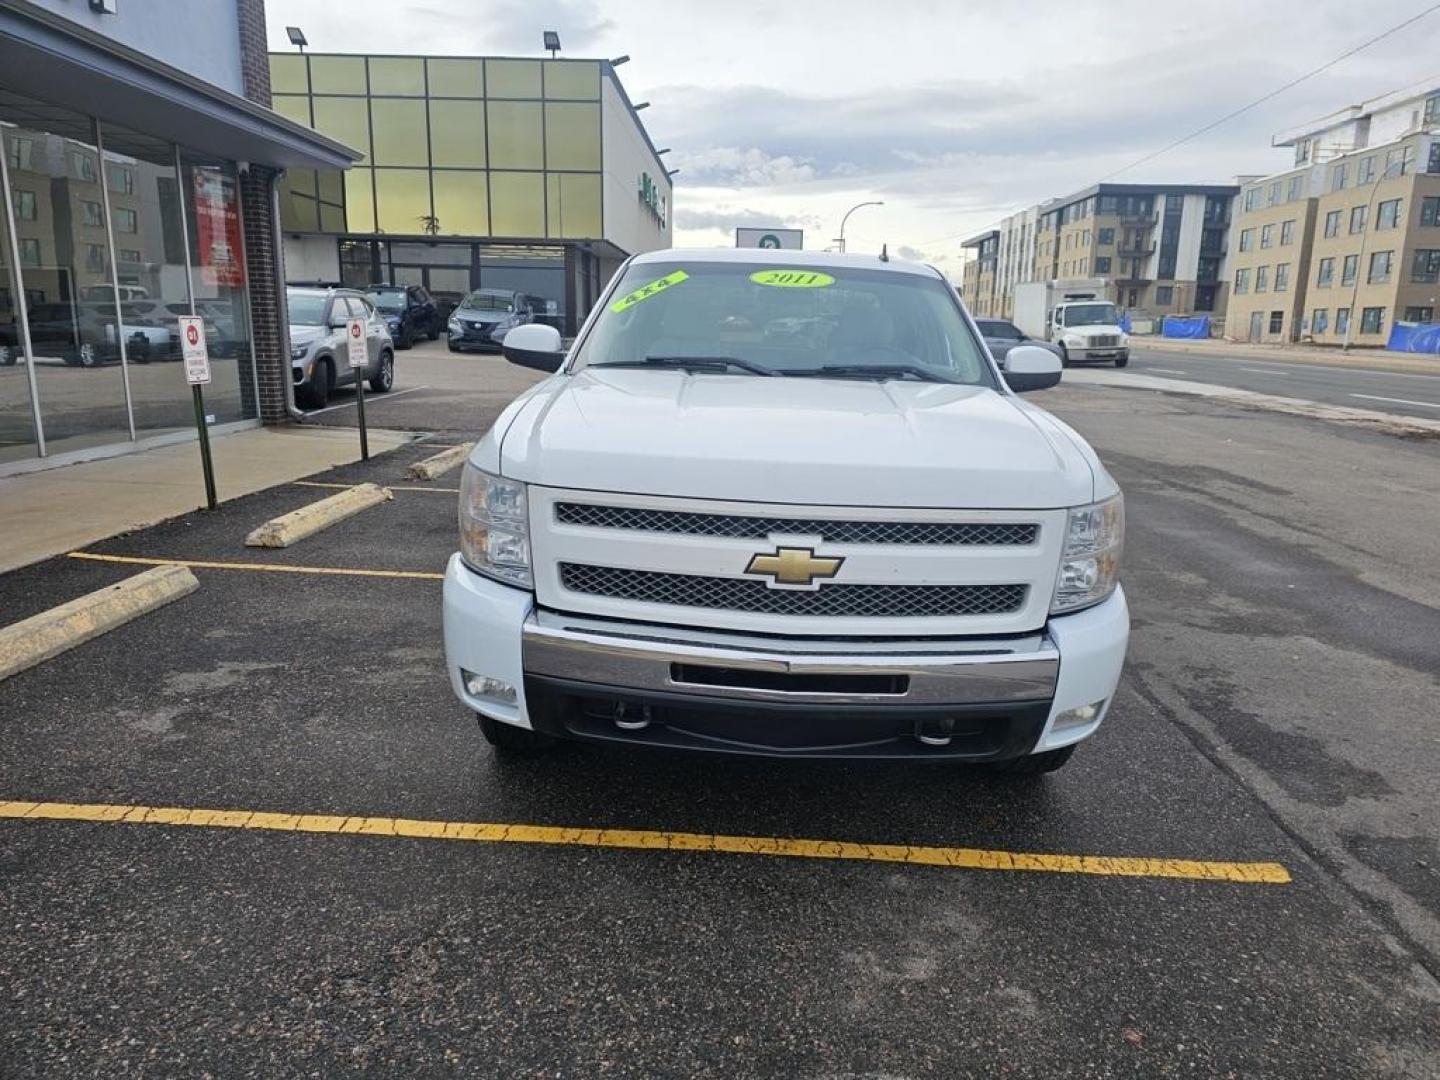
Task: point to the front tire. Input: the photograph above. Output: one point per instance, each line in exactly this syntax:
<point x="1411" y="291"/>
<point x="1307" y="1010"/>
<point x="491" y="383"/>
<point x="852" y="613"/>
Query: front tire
<point x="1121" y="361"/>
<point x="1046" y="761"/>
<point x="511" y="741"/>
<point x="322" y="381"/>
<point x="384" y="379"/>
<point x="1064" y="357"/>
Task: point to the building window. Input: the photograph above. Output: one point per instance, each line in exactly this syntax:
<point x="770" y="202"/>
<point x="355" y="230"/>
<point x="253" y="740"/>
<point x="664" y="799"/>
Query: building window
<point x="1267" y="236"/>
<point x="1332" y="223"/>
<point x="1107" y="236"/>
<point x="122" y="181"/>
<point x="82" y="166"/>
<point x="1277" y="321"/>
<point x="22" y="154"/>
<point x="1420" y="314"/>
<point x="1296" y="188"/>
<point x="1387" y="214"/>
<point x="1372" y="320"/>
<point x="1400" y="161"/>
<point x="25" y="205"/>
<point x="1252" y="199"/>
<point x="1164" y="294"/>
<point x="1337" y="176"/>
<point x="1367" y="171"/>
<point x="1242" y="282"/>
<point x="1349" y="269"/>
<point x="1326" y="275"/>
<point x="126" y="220"/>
<point x="1433" y="165"/>
<point x="129" y="255"/>
<point x="1247" y="239"/>
<point x="95" y="258"/>
<point x="1287" y="232"/>
<point x="90" y="215"/>
<point x="1426" y="267"/>
<point x="1432" y="110"/>
<point x="1357" y="218"/>
<point x="1282" y="277"/>
<point x="1302" y="151"/>
<point x="1102" y="264"/>
<point x="1380" y="262"/>
<point x="1273" y="195"/>
<point x="29" y="251"/>
<point x="1430" y="209"/>
<point x="1319" y="320"/>
<point x="1262" y="279"/>
<point x="1342" y="320"/>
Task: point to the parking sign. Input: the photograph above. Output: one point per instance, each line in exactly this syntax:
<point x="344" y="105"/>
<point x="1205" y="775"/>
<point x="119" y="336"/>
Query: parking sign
<point x="193" y="350"/>
<point x="355" y="343"/>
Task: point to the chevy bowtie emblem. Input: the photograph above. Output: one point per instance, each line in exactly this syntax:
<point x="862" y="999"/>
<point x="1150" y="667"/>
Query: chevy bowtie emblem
<point x="794" y="566"/>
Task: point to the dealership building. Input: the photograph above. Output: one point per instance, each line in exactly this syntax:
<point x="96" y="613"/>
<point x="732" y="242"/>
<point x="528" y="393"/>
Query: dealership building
<point x="475" y="172"/>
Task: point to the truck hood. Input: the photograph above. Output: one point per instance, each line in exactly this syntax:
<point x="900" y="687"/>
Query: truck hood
<point x="810" y="441"/>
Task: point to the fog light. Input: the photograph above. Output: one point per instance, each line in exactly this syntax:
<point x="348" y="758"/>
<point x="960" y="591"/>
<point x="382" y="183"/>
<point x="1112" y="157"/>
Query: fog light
<point x="1083" y="716"/>
<point x="483" y="686"/>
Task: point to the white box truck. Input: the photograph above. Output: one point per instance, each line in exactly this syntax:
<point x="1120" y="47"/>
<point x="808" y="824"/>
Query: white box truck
<point x="1075" y="316"/>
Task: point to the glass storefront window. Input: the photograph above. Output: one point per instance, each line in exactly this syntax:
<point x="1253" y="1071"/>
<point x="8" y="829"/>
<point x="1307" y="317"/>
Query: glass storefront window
<point x="517" y="204"/>
<point x="337" y="74"/>
<point x="345" y="119"/>
<point x="288" y="75"/>
<point x="402" y="201"/>
<point x="17" y="423"/>
<point x="68" y="291"/>
<point x="575" y="79"/>
<point x="400" y="132"/>
<point x="359" y="200"/>
<point x="293" y="107"/>
<point x="455" y="77"/>
<point x="461" y="201"/>
<point x="573" y="200"/>
<point x="515" y="135"/>
<point x="402" y="76"/>
<point x="457" y="134"/>
<point x="572" y="136"/>
<point x="512" y="78"/>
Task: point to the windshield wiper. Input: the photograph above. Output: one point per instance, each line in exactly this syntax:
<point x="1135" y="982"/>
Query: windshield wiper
<point x="713" y="363"/>
<point x="878" y="371"/>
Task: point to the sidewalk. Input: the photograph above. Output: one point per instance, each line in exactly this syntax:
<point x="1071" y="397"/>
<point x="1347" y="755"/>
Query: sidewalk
<point x="57" y="510"/>
<point x="1362" y="359"/>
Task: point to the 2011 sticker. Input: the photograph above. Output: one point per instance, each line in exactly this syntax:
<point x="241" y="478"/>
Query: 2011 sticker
<point x="792" y="279"/>
<point x="659" y="285"/>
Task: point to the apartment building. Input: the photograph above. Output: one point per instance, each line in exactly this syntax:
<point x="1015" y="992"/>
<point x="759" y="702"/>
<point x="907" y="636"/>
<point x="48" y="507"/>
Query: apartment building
<point x="1159" y="248"/>
<point x="1363" y="205"/>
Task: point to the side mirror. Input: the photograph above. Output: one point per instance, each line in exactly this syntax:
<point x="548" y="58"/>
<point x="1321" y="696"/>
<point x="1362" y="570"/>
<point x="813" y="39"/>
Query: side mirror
<point x="1029" y="367"/>
<point x="534" y="345"/>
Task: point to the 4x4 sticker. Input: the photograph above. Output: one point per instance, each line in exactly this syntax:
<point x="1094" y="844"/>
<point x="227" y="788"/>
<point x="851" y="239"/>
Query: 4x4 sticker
<point x="792" y="279"/>
<point x="647" y="291"/>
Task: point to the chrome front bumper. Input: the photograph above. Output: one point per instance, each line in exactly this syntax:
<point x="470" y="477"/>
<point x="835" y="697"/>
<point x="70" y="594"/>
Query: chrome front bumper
<point x="741" y="667"/>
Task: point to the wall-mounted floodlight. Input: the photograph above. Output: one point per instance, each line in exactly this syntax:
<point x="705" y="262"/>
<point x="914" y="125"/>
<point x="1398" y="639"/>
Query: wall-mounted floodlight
<point x="625" y="59"/>
<point x="297" y="37"/>
<point x="642" y="105"/>
<point x="552" y="42"/>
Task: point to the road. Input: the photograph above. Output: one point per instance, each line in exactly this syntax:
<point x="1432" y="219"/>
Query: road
<point x="1402" y="392"/>
<point x="1277" y="708"/>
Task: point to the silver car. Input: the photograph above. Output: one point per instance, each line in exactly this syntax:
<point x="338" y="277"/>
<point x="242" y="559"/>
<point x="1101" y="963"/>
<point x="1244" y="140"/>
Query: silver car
<point x="319" y="358"/>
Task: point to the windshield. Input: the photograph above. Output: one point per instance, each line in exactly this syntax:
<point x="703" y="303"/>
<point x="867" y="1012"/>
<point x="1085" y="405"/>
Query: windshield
<point x="1090" y="315"/>
<point x="992" y="329"/>
<point x="787" y="320"/>
<point x="307" y="308"/>
<point x="489" y="301"/>
<point x="392" y="302"/>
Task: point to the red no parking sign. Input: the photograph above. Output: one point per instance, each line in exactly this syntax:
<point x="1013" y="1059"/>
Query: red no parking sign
<point x="193" y="350"/>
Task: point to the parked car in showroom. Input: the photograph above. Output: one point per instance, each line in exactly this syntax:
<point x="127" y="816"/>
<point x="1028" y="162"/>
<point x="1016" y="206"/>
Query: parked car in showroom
<point x="1001" y="336"/>
<point x="319" y="318"/>
<point x="863" y="544"/>
<point x="485" y="316"/>
<point x="409" y="312"/>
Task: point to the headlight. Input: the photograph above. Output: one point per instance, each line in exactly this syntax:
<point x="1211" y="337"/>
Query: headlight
<point x="1074" y="339"/>
<point x="495" y="527"/>
<point x="454" y="325"/>
<point x="1090" y="561"/>
<point x="297" y="352"/>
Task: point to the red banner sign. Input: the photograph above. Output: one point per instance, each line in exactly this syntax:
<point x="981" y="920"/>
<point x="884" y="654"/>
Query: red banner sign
<point x="217" y="229"/>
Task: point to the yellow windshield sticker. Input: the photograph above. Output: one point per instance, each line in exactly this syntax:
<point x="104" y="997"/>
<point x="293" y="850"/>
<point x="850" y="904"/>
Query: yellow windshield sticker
<point x="792" y="279"/>
<point x="647" y="291"/>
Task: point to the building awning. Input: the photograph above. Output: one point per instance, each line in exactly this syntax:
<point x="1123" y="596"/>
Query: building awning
<point x="49" y="59"/>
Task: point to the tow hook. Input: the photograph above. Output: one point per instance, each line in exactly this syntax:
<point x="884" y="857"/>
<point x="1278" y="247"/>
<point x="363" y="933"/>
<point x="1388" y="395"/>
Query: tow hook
<point x="935" y="732"/>
<point x="631" y="717"/>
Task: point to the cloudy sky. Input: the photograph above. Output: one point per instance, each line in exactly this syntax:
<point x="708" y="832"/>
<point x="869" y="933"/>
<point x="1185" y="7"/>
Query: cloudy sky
<point x="954" y="113"/>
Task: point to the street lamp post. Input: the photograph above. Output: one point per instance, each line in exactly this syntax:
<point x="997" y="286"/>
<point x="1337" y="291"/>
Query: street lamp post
<point x="1360" y="259"/>
<point x="840" y="241"/>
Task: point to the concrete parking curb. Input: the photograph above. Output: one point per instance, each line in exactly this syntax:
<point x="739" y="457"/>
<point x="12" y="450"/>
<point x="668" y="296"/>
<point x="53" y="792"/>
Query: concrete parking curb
<point x="40" y="637"/>
<point x="431" y="467"/>
<point x="298" y="524"/>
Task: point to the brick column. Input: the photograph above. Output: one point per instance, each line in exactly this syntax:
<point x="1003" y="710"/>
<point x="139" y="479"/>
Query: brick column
<point x="264" y="251"/>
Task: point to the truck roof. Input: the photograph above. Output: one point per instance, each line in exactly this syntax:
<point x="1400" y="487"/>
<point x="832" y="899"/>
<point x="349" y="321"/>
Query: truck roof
<point x="804" y="259"/>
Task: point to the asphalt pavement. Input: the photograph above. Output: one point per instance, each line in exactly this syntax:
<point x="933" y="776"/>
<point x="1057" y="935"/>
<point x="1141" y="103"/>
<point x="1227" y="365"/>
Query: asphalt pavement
<point x="1404" y="393"/>
<point x="1277" y="708"/>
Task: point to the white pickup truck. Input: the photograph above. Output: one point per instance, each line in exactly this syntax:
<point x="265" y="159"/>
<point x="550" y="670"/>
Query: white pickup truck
<point x="786" y="504"/>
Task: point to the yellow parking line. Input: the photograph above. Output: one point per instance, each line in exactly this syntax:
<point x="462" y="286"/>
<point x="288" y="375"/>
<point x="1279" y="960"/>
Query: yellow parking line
<point x="391" y="487"/>
<point x="1250" y="873"/>
<point x="272" y="568"/>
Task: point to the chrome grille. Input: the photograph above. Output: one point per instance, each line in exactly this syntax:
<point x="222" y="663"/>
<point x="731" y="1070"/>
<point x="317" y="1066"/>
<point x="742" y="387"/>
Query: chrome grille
<point x="746" y="594"/>
<point x="1100" y="341"/>
<point x="1002" y="533"/>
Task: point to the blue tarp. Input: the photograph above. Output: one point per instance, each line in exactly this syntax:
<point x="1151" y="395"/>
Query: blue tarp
<point x="1125" y="323"/>
<point x="1192" y="326"/>
<point x="1414" y="337"/>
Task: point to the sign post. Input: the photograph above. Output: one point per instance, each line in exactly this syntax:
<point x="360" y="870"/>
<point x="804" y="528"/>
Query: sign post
<point x="196" y="355"/>
<point x="357" y="347"/>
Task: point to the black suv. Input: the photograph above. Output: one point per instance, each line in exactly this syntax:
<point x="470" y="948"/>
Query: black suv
<point x="409" y="312"/>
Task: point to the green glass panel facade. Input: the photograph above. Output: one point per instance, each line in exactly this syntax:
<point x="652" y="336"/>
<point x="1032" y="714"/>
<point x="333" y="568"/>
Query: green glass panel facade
<point x="397" y="76"/>
<point x="293" y="107"/>
<point x="346" y="119"/>
<point x="572" y="136"/>
<point x="399" y="129"/>
<point x="337" y="75"/>
<point x="456" y="77"/>
<point x="457" y="134"/>
<point x="574" y="79"/>
<point x="516" y="137"/>
<point x="360" y="200"/>
<point x="573" y="205"/>
<point x="402" y="200"/>
<point x="517" y="204"/>
<point x="512" y="78"/>
<point x="461" y="203"/>
<point x="288" y="74"/>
